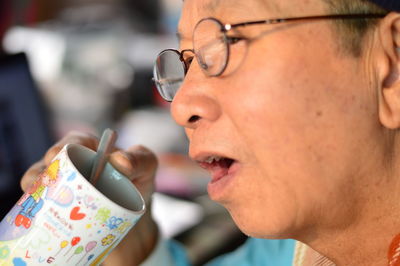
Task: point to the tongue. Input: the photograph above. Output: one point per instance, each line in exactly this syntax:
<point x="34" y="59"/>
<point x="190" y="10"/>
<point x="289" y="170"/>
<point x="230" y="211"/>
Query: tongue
<point x="220" y="168"/>
<point x="223" y="163"/>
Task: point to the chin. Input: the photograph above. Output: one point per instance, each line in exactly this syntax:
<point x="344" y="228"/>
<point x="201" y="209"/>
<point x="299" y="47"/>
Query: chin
<point x="260" y="226"/>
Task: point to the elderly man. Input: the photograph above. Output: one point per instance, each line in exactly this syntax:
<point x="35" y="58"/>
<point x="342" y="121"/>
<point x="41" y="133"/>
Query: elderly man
<point x="293" y="107"/>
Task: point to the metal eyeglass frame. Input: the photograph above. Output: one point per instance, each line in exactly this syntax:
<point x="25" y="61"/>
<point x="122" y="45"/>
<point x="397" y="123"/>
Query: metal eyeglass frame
<point x="225" y="28"/>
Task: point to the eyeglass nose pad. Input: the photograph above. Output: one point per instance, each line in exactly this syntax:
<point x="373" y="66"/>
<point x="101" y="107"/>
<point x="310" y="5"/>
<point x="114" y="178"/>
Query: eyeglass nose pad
<point x="203" y="66"/>
<point x="200" y="60"/>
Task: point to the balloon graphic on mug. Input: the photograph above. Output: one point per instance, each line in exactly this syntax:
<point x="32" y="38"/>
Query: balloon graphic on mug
<point x="77" y="251"/>
<point x="63" y="244"/>
<point x="74" y="242"/>
<point x="89" y="258"/>
<point x="89" y="247"/>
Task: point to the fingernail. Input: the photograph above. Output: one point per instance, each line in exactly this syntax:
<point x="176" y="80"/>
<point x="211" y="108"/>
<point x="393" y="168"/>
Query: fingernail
<point x="121" y="159"/>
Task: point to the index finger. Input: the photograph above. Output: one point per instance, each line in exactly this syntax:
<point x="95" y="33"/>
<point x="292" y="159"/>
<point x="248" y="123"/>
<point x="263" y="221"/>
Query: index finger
<point x="74" y="137"/>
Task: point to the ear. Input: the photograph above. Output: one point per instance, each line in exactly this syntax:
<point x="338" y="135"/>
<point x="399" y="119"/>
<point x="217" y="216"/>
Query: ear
<point x="389" y="71"/>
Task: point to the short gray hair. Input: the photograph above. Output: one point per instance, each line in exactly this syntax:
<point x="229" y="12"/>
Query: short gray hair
<point x="352" y="32"/>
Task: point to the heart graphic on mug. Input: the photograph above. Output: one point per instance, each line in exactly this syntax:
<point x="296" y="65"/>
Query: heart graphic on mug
<point x="76" y="215"/>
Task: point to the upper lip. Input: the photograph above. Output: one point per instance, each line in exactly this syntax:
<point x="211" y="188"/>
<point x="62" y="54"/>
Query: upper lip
<point x="204" y="156"/>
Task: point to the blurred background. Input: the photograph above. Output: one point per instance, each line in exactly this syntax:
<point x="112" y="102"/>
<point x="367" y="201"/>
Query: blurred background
<point x="87" y="65"/>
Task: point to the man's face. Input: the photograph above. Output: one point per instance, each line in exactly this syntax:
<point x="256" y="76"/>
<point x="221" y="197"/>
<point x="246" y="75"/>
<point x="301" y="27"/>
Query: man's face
<point x="295" y="113"/>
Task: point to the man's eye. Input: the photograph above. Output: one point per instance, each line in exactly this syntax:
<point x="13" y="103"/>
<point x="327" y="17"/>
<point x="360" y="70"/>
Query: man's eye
<point x="188" y="61"/>
<point x="234" y="39"/>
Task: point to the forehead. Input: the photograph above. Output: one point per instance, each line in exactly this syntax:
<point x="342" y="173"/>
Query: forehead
<point x="216" y="6"/>
<point x="234" y="11"/>
<point x="222" y="8"/>
<point x="228" y="11"/>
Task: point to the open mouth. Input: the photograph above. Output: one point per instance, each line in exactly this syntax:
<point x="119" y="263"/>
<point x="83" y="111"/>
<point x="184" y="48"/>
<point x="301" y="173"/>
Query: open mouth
<point x="217" y="166"/>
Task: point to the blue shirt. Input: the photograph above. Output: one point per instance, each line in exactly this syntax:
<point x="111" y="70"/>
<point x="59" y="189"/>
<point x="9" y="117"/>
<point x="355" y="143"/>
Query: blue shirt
<point x="253" y="252"/>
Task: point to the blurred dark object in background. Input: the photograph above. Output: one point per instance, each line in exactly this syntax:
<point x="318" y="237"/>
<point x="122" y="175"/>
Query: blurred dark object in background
<point x="146" y="12"/>
<point x="142" y="97"/>
<point x="24" y="129"/>
<point x="143" y="15"/>
<point x="25" y="12"/>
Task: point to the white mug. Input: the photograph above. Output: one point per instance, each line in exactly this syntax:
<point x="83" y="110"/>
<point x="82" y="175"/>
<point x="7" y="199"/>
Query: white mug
<point x="63" y="219"/>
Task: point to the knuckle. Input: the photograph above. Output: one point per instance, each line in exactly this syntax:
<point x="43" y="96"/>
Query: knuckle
<point x="82" y="138"/>
<point x="52" y="152"/>
<point x="76" y="133"/>
<point x="122" y="162"/>
<point x="72" y="137"/>
<point x="146" y="152"/>
<point x="144" y="156"/>
<point x="135" y="161"/>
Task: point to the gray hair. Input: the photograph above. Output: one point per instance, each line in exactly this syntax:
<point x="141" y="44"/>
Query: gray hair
<point x="352" y="32"/>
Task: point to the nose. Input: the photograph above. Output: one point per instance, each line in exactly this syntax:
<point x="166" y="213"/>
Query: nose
<point x="194" y="102"/>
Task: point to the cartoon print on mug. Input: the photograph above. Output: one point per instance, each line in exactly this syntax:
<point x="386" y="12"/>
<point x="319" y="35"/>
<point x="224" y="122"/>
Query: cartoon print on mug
<point x="42" y="238"/>
<point x="89" y="258"/>
<point x="80" y="226"/>
<point x="102" y="215"/>
<point x="75" y="240"/>
<point x="90" y="202"/>
<point x="62" y="196"/>
<point x="32" y="201"/>
<point x="121" y="229"/>
<point x="114" y="222"/>
<point x="108" y="240"/>
<point x="4" y="252"/>
<point x="102" y="255"/>
<point x="88" y="248"/>
<point x="30" y="247"/>
<point x="77" y="251"/>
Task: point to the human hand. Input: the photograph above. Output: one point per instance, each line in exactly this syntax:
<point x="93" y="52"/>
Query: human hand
<point x="138" y="164"/>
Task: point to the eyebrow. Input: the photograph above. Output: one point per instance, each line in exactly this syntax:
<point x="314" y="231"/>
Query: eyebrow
<point x="210" y="7"/>
<point x="179" y="36"/>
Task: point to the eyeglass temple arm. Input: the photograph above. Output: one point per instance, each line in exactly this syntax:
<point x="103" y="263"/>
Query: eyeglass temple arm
<point x="280" y="20"/>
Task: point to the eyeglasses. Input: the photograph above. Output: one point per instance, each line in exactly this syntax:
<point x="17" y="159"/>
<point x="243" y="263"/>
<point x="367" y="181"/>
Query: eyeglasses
<point x="211" y="47"/>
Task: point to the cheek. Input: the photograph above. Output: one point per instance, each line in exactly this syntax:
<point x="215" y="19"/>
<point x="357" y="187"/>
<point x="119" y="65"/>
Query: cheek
<point x="296" y="101"/>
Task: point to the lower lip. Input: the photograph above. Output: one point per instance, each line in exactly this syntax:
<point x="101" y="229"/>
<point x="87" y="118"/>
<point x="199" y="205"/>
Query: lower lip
<point x="218" y="187"/>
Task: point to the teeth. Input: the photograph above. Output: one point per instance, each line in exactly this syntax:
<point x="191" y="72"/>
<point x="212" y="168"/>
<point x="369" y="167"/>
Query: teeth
<point x="213" y="158"/>
<point x="209" y="160"/>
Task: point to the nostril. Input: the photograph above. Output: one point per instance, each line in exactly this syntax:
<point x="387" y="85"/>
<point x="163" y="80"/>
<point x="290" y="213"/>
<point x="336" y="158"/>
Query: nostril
<point x="194" y="118"/>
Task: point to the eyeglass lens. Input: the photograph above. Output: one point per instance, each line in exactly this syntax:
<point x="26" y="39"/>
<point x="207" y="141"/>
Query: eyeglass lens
<point x="211" y="50"/>
<point x="210" y="46"/>
<point x="168" y="72"/>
